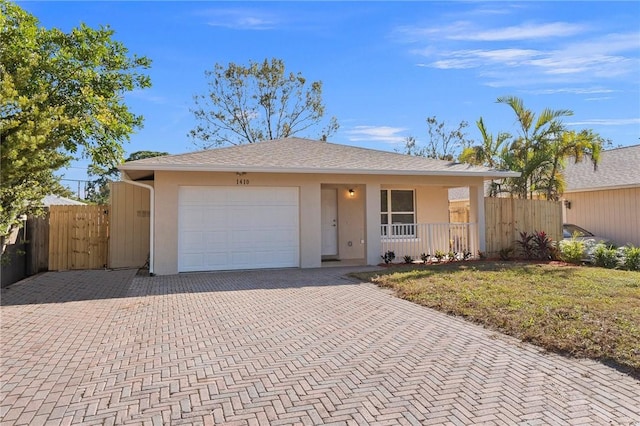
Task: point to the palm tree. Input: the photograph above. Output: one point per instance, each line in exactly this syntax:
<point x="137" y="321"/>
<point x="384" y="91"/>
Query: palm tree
<point x="570" y="144"/>
<point x="528" y="153"/>
<point x="489" y="153"/>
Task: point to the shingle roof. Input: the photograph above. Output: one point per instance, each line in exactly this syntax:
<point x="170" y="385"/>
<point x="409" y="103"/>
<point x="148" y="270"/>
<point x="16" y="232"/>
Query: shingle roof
<point x="618" y="167"/>
<point x="57" y="200"/>
<point x="295" y="155"/>
<point x="462" y="193"/>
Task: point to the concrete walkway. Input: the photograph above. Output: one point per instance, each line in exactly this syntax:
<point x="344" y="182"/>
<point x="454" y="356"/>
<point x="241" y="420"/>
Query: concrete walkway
<point x="275" y="347"/>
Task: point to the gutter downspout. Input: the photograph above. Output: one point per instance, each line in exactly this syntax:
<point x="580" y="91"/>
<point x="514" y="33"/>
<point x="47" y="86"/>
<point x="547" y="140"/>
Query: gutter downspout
<point x="126" y="179"/>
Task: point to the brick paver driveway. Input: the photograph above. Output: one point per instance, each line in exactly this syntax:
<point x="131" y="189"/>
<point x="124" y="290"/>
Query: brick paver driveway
<point x="276" y="347"/>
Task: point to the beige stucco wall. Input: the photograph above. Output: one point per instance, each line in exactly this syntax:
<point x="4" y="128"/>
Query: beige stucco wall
<point x="613" y="213"/>
<point x="351" y="221"/>
<point x="359" y="217"/>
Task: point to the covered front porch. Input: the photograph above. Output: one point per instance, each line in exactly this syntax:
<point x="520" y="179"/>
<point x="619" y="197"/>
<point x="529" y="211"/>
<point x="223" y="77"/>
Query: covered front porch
<point x="362" y="221"/>
<point x="429" y="242"/>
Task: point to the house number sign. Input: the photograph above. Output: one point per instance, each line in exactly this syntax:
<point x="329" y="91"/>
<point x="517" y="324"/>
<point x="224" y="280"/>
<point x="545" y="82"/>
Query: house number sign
<point x="242" y="181"/>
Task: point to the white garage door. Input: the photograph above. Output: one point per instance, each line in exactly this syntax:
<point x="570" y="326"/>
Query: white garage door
<point x="221" y="228"/>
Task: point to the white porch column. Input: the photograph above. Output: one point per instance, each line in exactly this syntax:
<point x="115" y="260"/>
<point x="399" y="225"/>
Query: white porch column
<point x="310" y="226"/>
<point x="476" y="205"/>
<point x="372" y="220"/>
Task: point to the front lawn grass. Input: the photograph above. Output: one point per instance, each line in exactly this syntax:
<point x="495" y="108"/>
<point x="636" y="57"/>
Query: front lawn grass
<point x="578" y="311"/>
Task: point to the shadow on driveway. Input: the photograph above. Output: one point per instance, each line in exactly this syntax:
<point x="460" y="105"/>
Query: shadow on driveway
<point x="73" y="286"/>
<point x="68" y="286"/>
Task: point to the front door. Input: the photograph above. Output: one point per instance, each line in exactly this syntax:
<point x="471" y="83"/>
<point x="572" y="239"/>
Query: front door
<point x="329" y="216"/>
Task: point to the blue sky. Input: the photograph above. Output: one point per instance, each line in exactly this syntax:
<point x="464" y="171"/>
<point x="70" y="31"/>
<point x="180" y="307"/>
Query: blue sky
<point x="385" y="66"/>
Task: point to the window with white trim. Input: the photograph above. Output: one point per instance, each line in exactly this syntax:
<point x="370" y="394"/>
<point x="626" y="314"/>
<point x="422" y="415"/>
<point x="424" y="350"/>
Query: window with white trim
<point x="397" y="208"/>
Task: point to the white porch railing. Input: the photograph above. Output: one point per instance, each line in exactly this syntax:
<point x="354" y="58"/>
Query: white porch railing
<point x="415" y="239"/>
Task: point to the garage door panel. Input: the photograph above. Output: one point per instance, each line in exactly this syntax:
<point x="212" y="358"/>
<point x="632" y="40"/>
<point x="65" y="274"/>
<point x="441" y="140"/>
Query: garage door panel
<point x="285" y="198"/>
<point x="264" y="238"/>
<point x="255" y="259"/>
<point x="192" y="260"/>
<point x="237" y="228"/>
<point x="216" y="240"/>
<point x="286" y="220"/>
<point x="199" y="218"/>
<point x="252" y="217"/>
<point x="242" y="237"/>
<point x="214" y="217"/>
<point x="243" y="217"/>
<point x="243" y="260"/>
<point x="192" y="195"/>
<point x="216" y="258"/>
<point x="192" y="239"/>
<point x="192" y="216"/>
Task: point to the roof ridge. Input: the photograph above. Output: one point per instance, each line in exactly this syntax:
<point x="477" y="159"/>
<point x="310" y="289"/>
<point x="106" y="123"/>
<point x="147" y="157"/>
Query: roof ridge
<point x="621" y="147"/>
<point x="300" y="155"/>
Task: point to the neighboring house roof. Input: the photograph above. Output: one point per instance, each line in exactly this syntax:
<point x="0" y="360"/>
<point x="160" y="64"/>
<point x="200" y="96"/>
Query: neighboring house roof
<point x="459" y="194"/>
<point x="56" y="200"/>
<point x="462" y="193"/>
<point x="296" y="155"/>
<point x="617" y="168"/>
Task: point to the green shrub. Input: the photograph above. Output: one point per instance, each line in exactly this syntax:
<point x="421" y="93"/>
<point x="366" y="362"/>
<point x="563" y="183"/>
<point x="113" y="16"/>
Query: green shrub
<point x="424" y="257"/>
<point x="407" y="259"/>
<point x="571" y="251"/>
<point x="388" y="257"/>
<point x="589" y="249"/>
<point x="505" y="253"/>
<point x="631" y="257"/>
<point x="605" y="257"/>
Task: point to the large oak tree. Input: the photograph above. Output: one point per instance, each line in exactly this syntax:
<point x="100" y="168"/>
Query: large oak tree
<point x="443" y="143"/>
<point x="98" y="190"/>
<point x="61" y="96"/>
<point x="260" y="101"/>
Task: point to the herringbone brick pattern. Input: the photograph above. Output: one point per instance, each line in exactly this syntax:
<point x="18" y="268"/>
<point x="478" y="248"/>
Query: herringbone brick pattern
<point x="275" y="347"/>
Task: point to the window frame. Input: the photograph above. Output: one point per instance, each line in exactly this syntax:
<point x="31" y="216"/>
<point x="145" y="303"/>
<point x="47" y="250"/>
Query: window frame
<point x="411" y="231"/>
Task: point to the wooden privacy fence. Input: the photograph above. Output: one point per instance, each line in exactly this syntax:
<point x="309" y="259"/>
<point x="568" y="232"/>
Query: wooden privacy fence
<point x="38" y="244"/>
<point x="459" y="211"/>
<point x="78" y="237"/>
<point x="505" y="218"/>
<point x="129" y="223"/>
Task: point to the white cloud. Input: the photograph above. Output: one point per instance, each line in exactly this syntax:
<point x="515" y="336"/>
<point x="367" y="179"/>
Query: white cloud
<point x="566" y="61"/>
<point x="606" y="122"/>
<point x="528" y="31"/>
<point x="527" y="53"/>
<point x="507" y="56"/>
<point x="480" y="58"/>
<point x="469" y="31"/>
<point x="376" y="133"/>
<point x="242" y="19"/>
<point x="559" y="63"/>
<point x="455" y="63"/>
<point x="607" y="44"/>
<point x="571" y="91"/>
